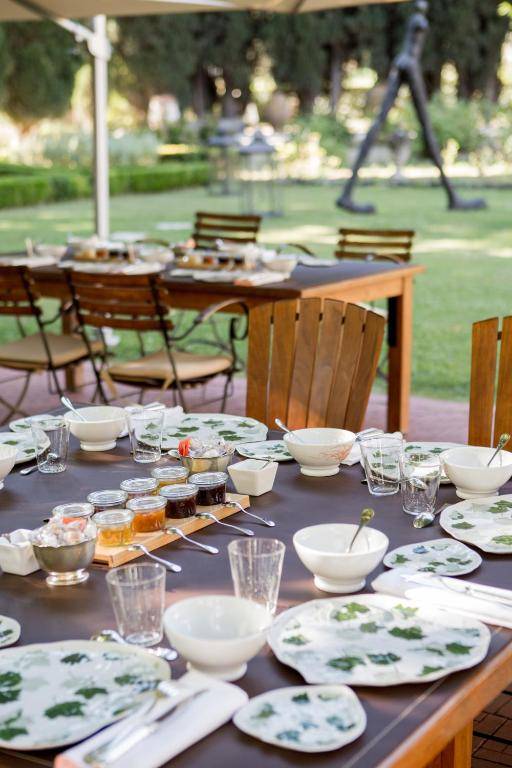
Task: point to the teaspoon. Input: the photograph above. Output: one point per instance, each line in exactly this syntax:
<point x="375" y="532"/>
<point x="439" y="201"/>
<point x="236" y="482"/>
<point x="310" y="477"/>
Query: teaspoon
<point x="366" y="516"/>
<point x="283" y="426"/>
<point x="270" y="523"/>
<point x="68" y="404"/>
<point x="111" y="636"/>
<point x="210" y="516"/>
<point x="170" y="566"/>
<point x="427" y="518"/>
<point x="206" y="547"/>
<point x="504" y="438"/>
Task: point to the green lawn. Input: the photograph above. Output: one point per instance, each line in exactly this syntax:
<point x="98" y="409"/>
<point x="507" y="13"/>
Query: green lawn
<point x="467" y="254"/>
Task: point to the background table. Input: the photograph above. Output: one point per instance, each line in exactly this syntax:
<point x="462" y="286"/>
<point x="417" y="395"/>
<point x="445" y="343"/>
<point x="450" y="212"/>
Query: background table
<point x="347" y="280"/>
<point x="408" y="725"/>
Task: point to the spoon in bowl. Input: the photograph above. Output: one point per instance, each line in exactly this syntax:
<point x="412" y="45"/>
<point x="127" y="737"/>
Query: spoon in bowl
<point x="68" y="404"/>
<point x="283" y="426"/>
<point x="366" y="516"/>
<point x="504" y="438"/>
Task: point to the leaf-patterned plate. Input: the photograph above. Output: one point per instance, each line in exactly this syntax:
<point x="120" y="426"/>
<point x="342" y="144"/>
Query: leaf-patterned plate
<point x="25" y="425"/>
<point x="25" y="446"/>
<point x="376" y="640"/>
<point x="313" y="718"/>
<point x="486" y="523"/>
<point x="434" y="448"/>
<point x="268" y="450"/>
<point x="442" y="556"/>
<point x="10" y="631"/>
<point x="234" y="429"/>
<point x="53" y="694"/>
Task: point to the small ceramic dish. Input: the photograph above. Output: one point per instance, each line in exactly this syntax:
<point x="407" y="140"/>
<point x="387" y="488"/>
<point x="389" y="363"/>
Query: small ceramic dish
<point x="466" y="468"/>
<point x="103" y="425"/>
<point x="445" y="557"/>
<point x="319" y="450"/>
<point x="323" y="550"/>
<point x="253" y="477"/>
<point x="217" y="634"/>
<point x="10" y="631"/>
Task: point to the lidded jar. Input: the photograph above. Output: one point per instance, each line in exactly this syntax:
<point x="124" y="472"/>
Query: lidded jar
<point x="115" y="527"/>
<point x="180" y="500"/>
<point x="211" y="487"/>
<point x="170" y="475"/>
<point x="111" y="499"/>
<point x="136" y="487"/>
<point x="148" y="513"/>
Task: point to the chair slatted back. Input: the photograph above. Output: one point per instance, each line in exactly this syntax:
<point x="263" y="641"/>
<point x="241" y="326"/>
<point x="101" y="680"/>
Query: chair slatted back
<point x="231" y="228"/>
<point x="375" y="244"/>
<point x="131" y="302"/>
<point x="312" y="363"/>
<point x="490" y="400"/>
<point x="17" y="292"/>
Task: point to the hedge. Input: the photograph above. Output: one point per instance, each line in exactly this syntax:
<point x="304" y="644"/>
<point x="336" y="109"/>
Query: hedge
<point x="51" y="186"/>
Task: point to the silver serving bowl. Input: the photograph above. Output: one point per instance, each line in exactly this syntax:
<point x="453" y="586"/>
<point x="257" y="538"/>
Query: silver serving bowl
<point x="66" y="565"/>
<point x="195" y="464"/>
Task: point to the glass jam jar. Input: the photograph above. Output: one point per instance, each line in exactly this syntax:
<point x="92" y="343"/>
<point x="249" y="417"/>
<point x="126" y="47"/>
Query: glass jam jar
<point x="148" y="513"/>
<point x="169" y="475"/>
<point x="103" y="500"/>
<point x="180" y="500"/>
<point x="115" y="527"/>
<point x="211" y="488"/>
<point x="74" y="511"/>
<point x="137" y="487"/>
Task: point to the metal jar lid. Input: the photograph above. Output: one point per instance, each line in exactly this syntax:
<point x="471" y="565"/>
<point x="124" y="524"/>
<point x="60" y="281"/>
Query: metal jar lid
<point x="139" y="485"/>
<point x="111" y="498"/>
<point x="73" y="510"/>
<point x="113" y="518"/>
<point x="177" y="492"/>
<point x="209" y="479"/>
<point x="169" y="473"/>
<point x="146" y="504"/>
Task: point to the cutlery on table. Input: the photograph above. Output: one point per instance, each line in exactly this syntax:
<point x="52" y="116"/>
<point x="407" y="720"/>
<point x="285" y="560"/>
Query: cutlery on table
<point x="210" y="516"/>
<point x="283" y="426"/>
<point x="504" y="438"/>
<point x="263" y="520"/>
<point x="66" y="402"/>
<point x="370" y="432"/>
<point x="28" y="470"/>
<point x="427" y="518"/>
<point x="167" y="563"/>
<point x="111" y="636"/>
<point x="480" y="592"/>
<point x="206" y="547"/>
<point x="366" y="516"/>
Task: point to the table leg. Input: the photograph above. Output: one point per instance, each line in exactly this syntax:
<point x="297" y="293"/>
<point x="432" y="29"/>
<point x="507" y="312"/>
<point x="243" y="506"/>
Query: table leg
<point x="456" y="754"/>
<point x="400" y="357"/>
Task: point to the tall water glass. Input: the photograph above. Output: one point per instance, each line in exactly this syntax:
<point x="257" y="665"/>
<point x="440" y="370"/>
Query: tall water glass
<point x="381" y="456"/>
<point x="420" y="474"/>
<point x="137" y="593"/>
<point x="256" y="567"/>
<point x="145" y="427"/>
<point x="51" y="440"/>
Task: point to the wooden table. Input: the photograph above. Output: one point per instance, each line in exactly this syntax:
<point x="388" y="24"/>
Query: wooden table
<point x="409" y="726"/>
<point x="347" y="280"/>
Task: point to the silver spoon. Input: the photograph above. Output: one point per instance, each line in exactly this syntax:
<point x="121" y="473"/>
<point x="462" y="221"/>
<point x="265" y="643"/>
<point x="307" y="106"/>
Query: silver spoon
<point x="111" y="636"/>
<point x="170" y="566"/>
<point x="68" y="404"/>
<point x="283" y="426"/>
<point x="210" y="516"/>
<point x="206" y="547"/>
<point x="427" y="518"/>
<point x="370" y="432"/>
<point x="28" y="470"/>
<point x="270" y="523"/>
<point x="366" y="516"/>
<point x="504" y="438"/>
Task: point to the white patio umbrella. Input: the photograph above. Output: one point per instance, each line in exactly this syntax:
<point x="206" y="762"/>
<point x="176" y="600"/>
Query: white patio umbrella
<point x="62" y="12"/>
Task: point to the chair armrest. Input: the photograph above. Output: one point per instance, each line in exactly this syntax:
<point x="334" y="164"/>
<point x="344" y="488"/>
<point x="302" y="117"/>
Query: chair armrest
<point x="212" y="310"/>
<point x="299" y="247"/>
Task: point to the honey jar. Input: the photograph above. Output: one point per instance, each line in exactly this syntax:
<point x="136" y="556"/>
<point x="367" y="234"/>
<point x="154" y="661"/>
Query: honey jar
<point x="148" y="513"/>
<point x="115" y="527"/>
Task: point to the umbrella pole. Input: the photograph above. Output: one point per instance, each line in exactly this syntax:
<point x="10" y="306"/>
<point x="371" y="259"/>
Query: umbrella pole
<point x="99" y="48"/>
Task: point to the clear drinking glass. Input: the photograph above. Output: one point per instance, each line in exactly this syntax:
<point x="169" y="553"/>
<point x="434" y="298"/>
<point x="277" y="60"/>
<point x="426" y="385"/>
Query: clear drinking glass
<point x="420" y="474"/>
<point x="137" y="593"/>
<point x="51" y="440"/>
<point x="145" y="428"/>
<point x="381" y="456"/>
<point x="256" y="566"/>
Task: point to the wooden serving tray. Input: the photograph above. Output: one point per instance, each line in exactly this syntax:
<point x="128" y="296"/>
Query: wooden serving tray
<point x="113" y="556"/>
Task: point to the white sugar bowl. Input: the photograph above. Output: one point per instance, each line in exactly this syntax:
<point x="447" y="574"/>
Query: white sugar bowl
<point x="253" y="477"/>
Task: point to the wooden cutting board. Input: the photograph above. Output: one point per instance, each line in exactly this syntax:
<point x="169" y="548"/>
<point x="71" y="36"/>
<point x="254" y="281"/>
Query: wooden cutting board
<point x="113" y="556"/>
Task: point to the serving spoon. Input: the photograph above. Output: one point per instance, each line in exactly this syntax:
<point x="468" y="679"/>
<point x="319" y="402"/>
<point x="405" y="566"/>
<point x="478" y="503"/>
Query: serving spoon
<point x="68" y="404"/>
<point x="504" y="438"/>
<point x="366" y="516"/>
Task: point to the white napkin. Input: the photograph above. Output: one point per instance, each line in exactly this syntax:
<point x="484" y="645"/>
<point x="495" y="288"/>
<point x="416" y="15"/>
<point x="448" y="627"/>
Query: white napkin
<point x="29" y="261"/>
<point x="354" y="456"/>
<point x="198" y="718"/>
<point x="314" y="261"/>
<point x="16" y="553"/>
<point x="439" y="594"/>
<point x="262" y="278"/>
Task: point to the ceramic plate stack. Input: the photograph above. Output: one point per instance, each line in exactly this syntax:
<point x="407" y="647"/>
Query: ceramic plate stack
<point x="233" y="429"/>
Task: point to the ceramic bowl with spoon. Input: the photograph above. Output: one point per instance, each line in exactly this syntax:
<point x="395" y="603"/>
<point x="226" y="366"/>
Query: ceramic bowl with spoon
<point x="467" y="467"/>
<point x="102" y="426"/>
<point x="319" y="450"/>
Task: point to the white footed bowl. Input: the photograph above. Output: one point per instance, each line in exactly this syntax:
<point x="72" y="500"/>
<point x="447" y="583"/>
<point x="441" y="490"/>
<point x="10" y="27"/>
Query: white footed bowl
<point x="103" y="426"/>
<point x="7" y="458"/>
<point x="466" y="468"/>
<point x="323" y="550"/>
<point x="217" y="634"/>
<point x="319" y="450"/>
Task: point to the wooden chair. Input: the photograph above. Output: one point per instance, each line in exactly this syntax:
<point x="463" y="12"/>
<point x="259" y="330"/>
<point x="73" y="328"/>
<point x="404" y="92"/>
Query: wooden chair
<point x="490" y="400"/>
<point x="375" y="244"/>
<point x="210" y="227"/>
<point x="34" y="352"/>
<point x="141" y="303"/>
<point x="312" y="363"/>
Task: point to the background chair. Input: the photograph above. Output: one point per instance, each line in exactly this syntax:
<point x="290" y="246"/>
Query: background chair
<point x="40" y="351"/>
<point x="141" y="303"/>
<point x="312" y="363"/>
<point x="490" y="400"/>
<point x="375" y="244"/>
<point x="231" y="228"/>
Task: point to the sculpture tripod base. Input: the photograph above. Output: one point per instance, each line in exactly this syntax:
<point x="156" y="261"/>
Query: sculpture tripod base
<point x="455" y="203"/>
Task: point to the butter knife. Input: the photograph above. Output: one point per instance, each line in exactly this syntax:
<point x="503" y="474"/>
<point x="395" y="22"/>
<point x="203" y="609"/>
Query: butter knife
<point x="492" y="594"/>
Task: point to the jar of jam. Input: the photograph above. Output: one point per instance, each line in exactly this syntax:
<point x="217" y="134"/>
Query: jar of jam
<point x="73" y="511"/>
<point x="148" y="513"/>
<point x="169" y="475"/>
<point x="103" y="500"/>
<point x="180" y="500"/>
<point x="115" y="527"/>
<point x="139" y="486"/>
<point x="211" y="488"/>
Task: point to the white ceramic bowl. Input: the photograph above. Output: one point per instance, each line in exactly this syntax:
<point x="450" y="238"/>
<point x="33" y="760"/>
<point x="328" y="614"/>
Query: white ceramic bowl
<point x="319" y="450"/>
<point x="7" y="458"/>
<point x="466" y="468"/>
<point x="217" y="634"/>
<point x="103" y="426"/>
<point x="323" y="550"/>
<point x="285" y="263"/>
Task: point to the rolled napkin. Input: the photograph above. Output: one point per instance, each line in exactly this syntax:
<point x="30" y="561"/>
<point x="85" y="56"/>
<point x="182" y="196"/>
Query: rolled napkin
<point x="199" y="717"/>
<point x="491" y="605"/>
<point x="16" y="553"/>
